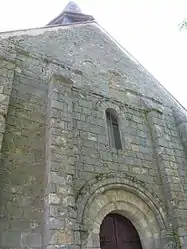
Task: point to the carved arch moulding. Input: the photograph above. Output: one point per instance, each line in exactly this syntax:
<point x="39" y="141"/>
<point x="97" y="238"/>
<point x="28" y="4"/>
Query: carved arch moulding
<point x="125" y="196"/>
<point x="106" y="103"/>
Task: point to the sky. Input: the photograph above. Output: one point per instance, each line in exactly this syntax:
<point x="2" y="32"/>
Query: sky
<point x="148" y="29"/>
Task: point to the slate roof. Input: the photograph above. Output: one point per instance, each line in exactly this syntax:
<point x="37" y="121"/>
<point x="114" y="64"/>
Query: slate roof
<point x="71" y="14"/>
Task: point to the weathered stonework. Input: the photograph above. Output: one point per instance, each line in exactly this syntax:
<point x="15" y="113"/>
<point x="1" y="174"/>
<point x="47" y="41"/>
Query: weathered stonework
<point x="59" y="176"/>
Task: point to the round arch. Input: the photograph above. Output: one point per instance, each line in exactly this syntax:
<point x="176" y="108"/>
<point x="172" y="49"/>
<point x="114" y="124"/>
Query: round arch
<point x="124" y="197"/>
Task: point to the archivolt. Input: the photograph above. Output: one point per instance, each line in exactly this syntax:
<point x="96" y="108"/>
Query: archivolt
<point x="126" y="182"/>
<point x="120" y="195"/>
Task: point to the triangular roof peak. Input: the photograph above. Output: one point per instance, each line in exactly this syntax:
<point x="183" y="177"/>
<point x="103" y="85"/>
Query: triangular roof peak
<point x="71" y="14"/>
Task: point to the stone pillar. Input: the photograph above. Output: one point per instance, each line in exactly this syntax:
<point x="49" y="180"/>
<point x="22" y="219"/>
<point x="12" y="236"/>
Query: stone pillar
<point x="171" y="180"/>
<point x="181" y="123"/>
<point x="6" y="79"/>
<point x="180" y="116"/>
<point x="7" y="67"/>
<point x="59" y="198"/>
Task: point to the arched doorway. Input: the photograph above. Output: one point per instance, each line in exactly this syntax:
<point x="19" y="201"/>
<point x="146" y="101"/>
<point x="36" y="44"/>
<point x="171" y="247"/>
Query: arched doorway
<point x="117" y="232"/>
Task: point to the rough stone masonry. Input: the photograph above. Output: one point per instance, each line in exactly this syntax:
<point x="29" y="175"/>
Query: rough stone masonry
<point x="59" y="174"/>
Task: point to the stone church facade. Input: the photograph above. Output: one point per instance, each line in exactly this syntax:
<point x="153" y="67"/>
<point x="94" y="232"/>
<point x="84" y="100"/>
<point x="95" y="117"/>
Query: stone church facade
<point x="86" y="133"/>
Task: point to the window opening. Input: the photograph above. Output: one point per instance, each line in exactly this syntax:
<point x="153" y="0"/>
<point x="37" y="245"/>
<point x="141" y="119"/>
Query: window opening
<point x="113" y="130"/>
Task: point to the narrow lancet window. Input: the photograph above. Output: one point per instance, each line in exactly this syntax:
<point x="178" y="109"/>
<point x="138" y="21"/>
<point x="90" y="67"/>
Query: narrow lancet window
<point x="113" y="129"/>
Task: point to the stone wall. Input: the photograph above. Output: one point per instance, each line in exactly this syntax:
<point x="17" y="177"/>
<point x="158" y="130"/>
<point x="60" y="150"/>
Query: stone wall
<point x="152" y="158"/>
<point x="60" y="177"/>
<point x="22" y="180"/>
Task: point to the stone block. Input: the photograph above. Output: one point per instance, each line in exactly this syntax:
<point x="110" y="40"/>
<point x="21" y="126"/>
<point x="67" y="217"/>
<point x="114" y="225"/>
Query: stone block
<point x="53" y="199"/>
<point x="60" y="237"/>
<point x="33" y="240"/>
<point x="11" y="239"/>
<point x="56" y="223"/>
<point x="56" y="178"/>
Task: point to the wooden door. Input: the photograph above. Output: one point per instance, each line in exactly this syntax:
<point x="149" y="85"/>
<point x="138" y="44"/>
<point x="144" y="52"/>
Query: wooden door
<point x="117" y="232"/>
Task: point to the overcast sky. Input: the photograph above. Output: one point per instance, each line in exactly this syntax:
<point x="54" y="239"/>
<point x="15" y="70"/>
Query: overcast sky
<point x="148" y="29"/>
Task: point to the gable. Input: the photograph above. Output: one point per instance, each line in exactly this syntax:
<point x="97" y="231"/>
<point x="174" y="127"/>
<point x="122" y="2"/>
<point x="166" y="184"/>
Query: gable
<point x="95" y="60"/>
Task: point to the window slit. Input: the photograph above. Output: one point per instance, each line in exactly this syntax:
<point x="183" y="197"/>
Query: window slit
<point x="113" y="131"/>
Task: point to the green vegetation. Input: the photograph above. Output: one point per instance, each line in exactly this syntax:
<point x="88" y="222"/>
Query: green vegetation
<point x="183" y="25"/>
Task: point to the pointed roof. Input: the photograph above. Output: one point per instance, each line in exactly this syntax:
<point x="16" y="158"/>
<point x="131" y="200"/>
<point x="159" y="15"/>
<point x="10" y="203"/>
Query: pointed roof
<point x="71" y="14"/>
<point x="72" y="7"/>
